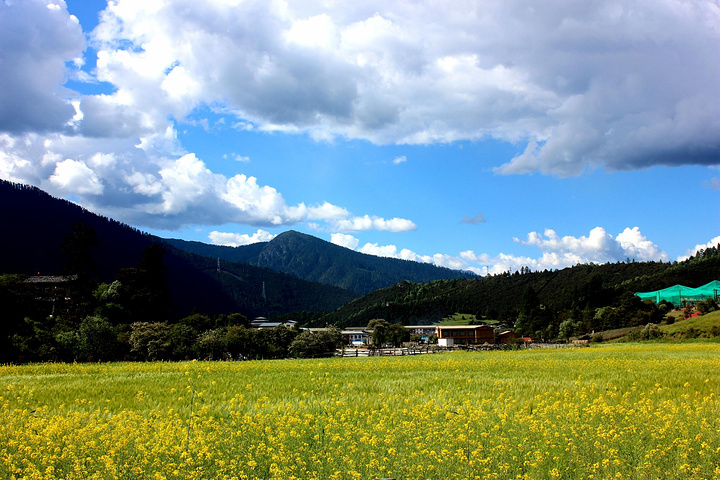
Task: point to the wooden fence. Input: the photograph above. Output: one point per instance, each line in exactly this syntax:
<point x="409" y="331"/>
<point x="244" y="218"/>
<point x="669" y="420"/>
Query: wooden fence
<point x="425" y="349"/>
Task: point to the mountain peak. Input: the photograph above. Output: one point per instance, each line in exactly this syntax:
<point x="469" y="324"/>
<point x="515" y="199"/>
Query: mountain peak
<point x="318" y="260"/>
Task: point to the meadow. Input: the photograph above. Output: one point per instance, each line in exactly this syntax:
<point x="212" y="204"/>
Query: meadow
<point x="611" y="411"/>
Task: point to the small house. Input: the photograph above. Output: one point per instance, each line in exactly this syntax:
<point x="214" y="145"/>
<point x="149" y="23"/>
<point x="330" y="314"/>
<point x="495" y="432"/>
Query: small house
<point x="465" y="335"/>
<point x="508" y="337"/>
<point x="356" y="336"/>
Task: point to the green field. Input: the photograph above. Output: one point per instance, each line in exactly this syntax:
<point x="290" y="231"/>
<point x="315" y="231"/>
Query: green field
<point x="611" y="411"/>
<point x="703" y="324"/>
<point x="465" y="319"/>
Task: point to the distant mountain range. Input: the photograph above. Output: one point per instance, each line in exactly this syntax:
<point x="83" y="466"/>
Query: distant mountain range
<point x="35" y="225"/>
<point x="293" y="272"/>
<point x="316" y="260"/>
<point x="569" y="290"/>
<point x="296" y="272"/>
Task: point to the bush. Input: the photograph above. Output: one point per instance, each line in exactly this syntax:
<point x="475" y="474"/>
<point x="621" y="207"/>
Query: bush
<point x="150" y="340"/>
<point x="316" y="343"/>
<point x="649" y="332"/>
<point x="212" y="344"/>
<point x="691" y="333"/>
<point x="706" y="306"/>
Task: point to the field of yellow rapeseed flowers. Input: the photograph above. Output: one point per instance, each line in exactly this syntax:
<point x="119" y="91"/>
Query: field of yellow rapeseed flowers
<point x="624" y="411"/>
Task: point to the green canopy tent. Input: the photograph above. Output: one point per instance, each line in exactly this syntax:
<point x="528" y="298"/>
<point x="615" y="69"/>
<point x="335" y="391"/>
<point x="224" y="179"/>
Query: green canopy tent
<point x="677" y="293"/>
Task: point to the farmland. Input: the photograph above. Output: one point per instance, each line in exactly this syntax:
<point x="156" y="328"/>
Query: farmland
<point x="620" y="411"/>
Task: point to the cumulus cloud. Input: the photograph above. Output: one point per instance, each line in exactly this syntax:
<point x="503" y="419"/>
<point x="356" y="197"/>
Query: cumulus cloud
<point x="399" y="160"/>
<point x="38" y="40"/>
<point x="327" y="211"/>
<point x="163" y="192"/>
<point x="637" y="246"/>
<point x="236" y="239"/>
<point x="556" y="252"/>
<point x="392" y="251"/>
<point x="606" y="84"/>
<point x="598" y="247"/>
<point x="344" y="240"/>
<point x="691" y="252"/>
<point x="72" y="176"/>
<point x="368" y="222"/>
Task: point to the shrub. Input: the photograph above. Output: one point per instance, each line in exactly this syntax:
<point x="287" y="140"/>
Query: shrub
<point x="649" y="332"/>
<point x="316" y="343"/>
<point x="212" y="344"/>
<point x="706" y="306"/>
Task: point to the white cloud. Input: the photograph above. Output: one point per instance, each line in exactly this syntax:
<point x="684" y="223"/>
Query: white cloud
<point x="691" y="252"/>
<point x="392" y="251"/>
<point x="327" y="211"/>
<point x="556" y="252"/>
<point x="237" y="239"/>
<point x="344" y="240"/>
<point x="73" y="177"/>
<point x="163" y="192"/>
<point x="399" y="160"/>
<point x="368" y="222"/>
<point x="237" y="158"/>
<point x="636" y="246"/>
<point x="316" y="31"/>
<point x="598" y="247"/>
<point x="605" y="84"/>
<point x="38" y="44"/>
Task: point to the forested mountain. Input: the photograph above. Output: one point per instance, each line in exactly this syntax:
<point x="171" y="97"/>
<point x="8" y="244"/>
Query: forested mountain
<point x="316" y="260"/>
<point x="43" y="235"/>
<point x="572" y="292"/>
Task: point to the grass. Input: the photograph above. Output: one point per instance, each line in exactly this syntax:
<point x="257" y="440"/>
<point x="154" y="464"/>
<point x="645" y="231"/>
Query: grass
<point x="465" y="319"/>
<point x="704" y="323"/>
<point x="621" y="411"/>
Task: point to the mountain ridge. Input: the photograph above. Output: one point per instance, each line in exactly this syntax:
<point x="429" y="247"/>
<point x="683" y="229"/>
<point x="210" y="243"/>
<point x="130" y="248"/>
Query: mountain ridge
<point x="314" y="259"/>
<point x="37" y="224"/>
<point x="565" y="293"/>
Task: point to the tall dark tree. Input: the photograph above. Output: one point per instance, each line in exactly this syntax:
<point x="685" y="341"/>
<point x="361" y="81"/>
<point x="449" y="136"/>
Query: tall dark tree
<point x="529" y="306"/>
<point x="77" y="251"/>
<point x="316" y="344"/>
<point x="380" y="334"/>
<point x="144" y="290"/>
<point x="397" y="334"/>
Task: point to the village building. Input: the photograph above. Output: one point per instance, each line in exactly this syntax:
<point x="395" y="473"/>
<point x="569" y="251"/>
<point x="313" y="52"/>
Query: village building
<point x="356" y="335"/>
<point x="465" y="335"/>
<point x="262" y="323"/>
<point x="423" y="331"/>
<point x="508" y="337"/>
<point x="51" y="291"/>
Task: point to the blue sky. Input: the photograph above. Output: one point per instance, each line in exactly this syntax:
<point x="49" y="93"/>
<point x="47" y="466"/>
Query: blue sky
<point x="486" y="136"/>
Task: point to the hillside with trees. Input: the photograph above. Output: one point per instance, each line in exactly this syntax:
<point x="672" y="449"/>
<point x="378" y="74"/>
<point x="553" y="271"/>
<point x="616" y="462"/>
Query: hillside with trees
<point x="78" y="286"/>
<point x="45" y="236"/>
<point x="590" y="297"/>
<point x="316" y="260"/>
